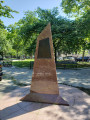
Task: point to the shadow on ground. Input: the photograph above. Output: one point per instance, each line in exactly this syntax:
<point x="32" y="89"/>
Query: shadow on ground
<point x="79" y="108"/>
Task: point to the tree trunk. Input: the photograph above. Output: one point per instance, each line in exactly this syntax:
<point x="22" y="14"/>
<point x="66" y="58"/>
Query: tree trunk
<point x="17" y="54"/>
<point x="55" y="55"/>
<point x="83" y="55"/>
<point x="2" y="55"/>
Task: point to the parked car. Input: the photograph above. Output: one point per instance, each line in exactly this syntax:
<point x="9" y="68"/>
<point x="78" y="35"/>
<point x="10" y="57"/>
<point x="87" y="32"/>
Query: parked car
<point x="60" y="58"/>
<point x="86" y="59"/>
<point x="69" y="58"/>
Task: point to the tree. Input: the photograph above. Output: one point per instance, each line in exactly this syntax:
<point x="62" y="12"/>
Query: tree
<point x="83" y="34"/>
<point x="81" y="10"/>
<point x="6" y="10"/>
<point x="27" y="32"/>
<point x="60" y="29"/>
<point x="19" y="34"/>
<point x="5" y="45"/>
<point x="2" y="24"/>
<point x="65" y="33"/>
<point x="15" y="39"/>
<point x="75" y="7"/>
<point x="30" y="31"/>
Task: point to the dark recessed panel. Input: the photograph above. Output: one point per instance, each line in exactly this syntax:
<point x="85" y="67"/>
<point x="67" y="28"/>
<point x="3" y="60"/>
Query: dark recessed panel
<point x="44" y="49"/>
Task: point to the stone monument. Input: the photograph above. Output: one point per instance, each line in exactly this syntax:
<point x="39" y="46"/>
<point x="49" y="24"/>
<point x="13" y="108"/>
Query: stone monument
<point x="44" y="86"/>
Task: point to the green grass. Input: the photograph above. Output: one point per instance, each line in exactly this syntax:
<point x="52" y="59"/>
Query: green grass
<point x="26" y="63"/>
<point x="83" y="64"/>
<point x="66" y="64"/>
<point x="28" y="60"/>
<point x="22" y="63"/>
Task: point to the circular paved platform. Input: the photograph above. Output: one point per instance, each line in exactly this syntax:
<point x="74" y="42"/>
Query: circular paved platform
<point x="11" y="108"/>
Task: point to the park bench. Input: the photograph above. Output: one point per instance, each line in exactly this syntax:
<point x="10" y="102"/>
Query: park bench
<point x="31" y="64"/>
<point x="1" y="73"/>
<point x="7" y="63"/>
<point x="61" y="64"/>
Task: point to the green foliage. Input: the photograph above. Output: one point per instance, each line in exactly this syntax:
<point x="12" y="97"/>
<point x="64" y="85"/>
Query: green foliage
<point x="83" y="31"/>
<point x="47" y="14"/>
<point x="5" y="45"/>
<point x="16" y="40"/>
<point x="75" y="7"/>
<point x="2" y="24"/>
<point x="26" y="63"/>
<point x="68" y="36"/>
<point x="81" y="10"/>
<point x="23" y="63"/>
<point x="6" y="10"/>
<point x="60" y="30"/>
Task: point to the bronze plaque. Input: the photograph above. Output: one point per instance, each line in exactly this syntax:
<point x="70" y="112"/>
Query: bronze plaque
<point x="44" y="49"/>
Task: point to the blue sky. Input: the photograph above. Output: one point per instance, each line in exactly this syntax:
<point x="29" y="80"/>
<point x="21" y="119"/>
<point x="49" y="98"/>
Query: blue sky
<point x="24" y="5"/>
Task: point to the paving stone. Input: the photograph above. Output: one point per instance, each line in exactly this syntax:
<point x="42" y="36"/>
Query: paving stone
<point x="77" y="78"/>
<point x="11" y="108"/>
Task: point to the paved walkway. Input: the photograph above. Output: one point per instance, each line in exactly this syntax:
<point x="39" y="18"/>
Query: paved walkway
<point x="79" y="77"/>
<point x="11" y="108"/>
<point x="12" y="76"/>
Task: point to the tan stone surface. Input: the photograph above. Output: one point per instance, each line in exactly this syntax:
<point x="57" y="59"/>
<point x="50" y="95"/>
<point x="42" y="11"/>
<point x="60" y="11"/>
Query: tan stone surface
<point x="13" y="109"/>
<point x="44" y="79"/>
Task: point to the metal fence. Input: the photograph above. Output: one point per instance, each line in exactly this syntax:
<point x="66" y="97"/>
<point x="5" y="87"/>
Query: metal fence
<point x="61" y="64"/>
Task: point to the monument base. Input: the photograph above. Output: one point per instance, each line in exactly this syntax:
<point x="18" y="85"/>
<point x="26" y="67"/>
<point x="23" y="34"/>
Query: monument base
<point x="45" y="98"/>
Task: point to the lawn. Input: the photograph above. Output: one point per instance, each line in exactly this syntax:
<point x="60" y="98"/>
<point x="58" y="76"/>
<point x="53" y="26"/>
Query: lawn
<point x="29" y="63"/>
<point x="23" y="63"/>
<point x="83" y="64"/>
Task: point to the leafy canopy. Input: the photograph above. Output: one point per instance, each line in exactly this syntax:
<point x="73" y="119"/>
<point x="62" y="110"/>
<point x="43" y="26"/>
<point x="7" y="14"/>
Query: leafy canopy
<point x="75" y="7"/>
<point x="6" y="10"/>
